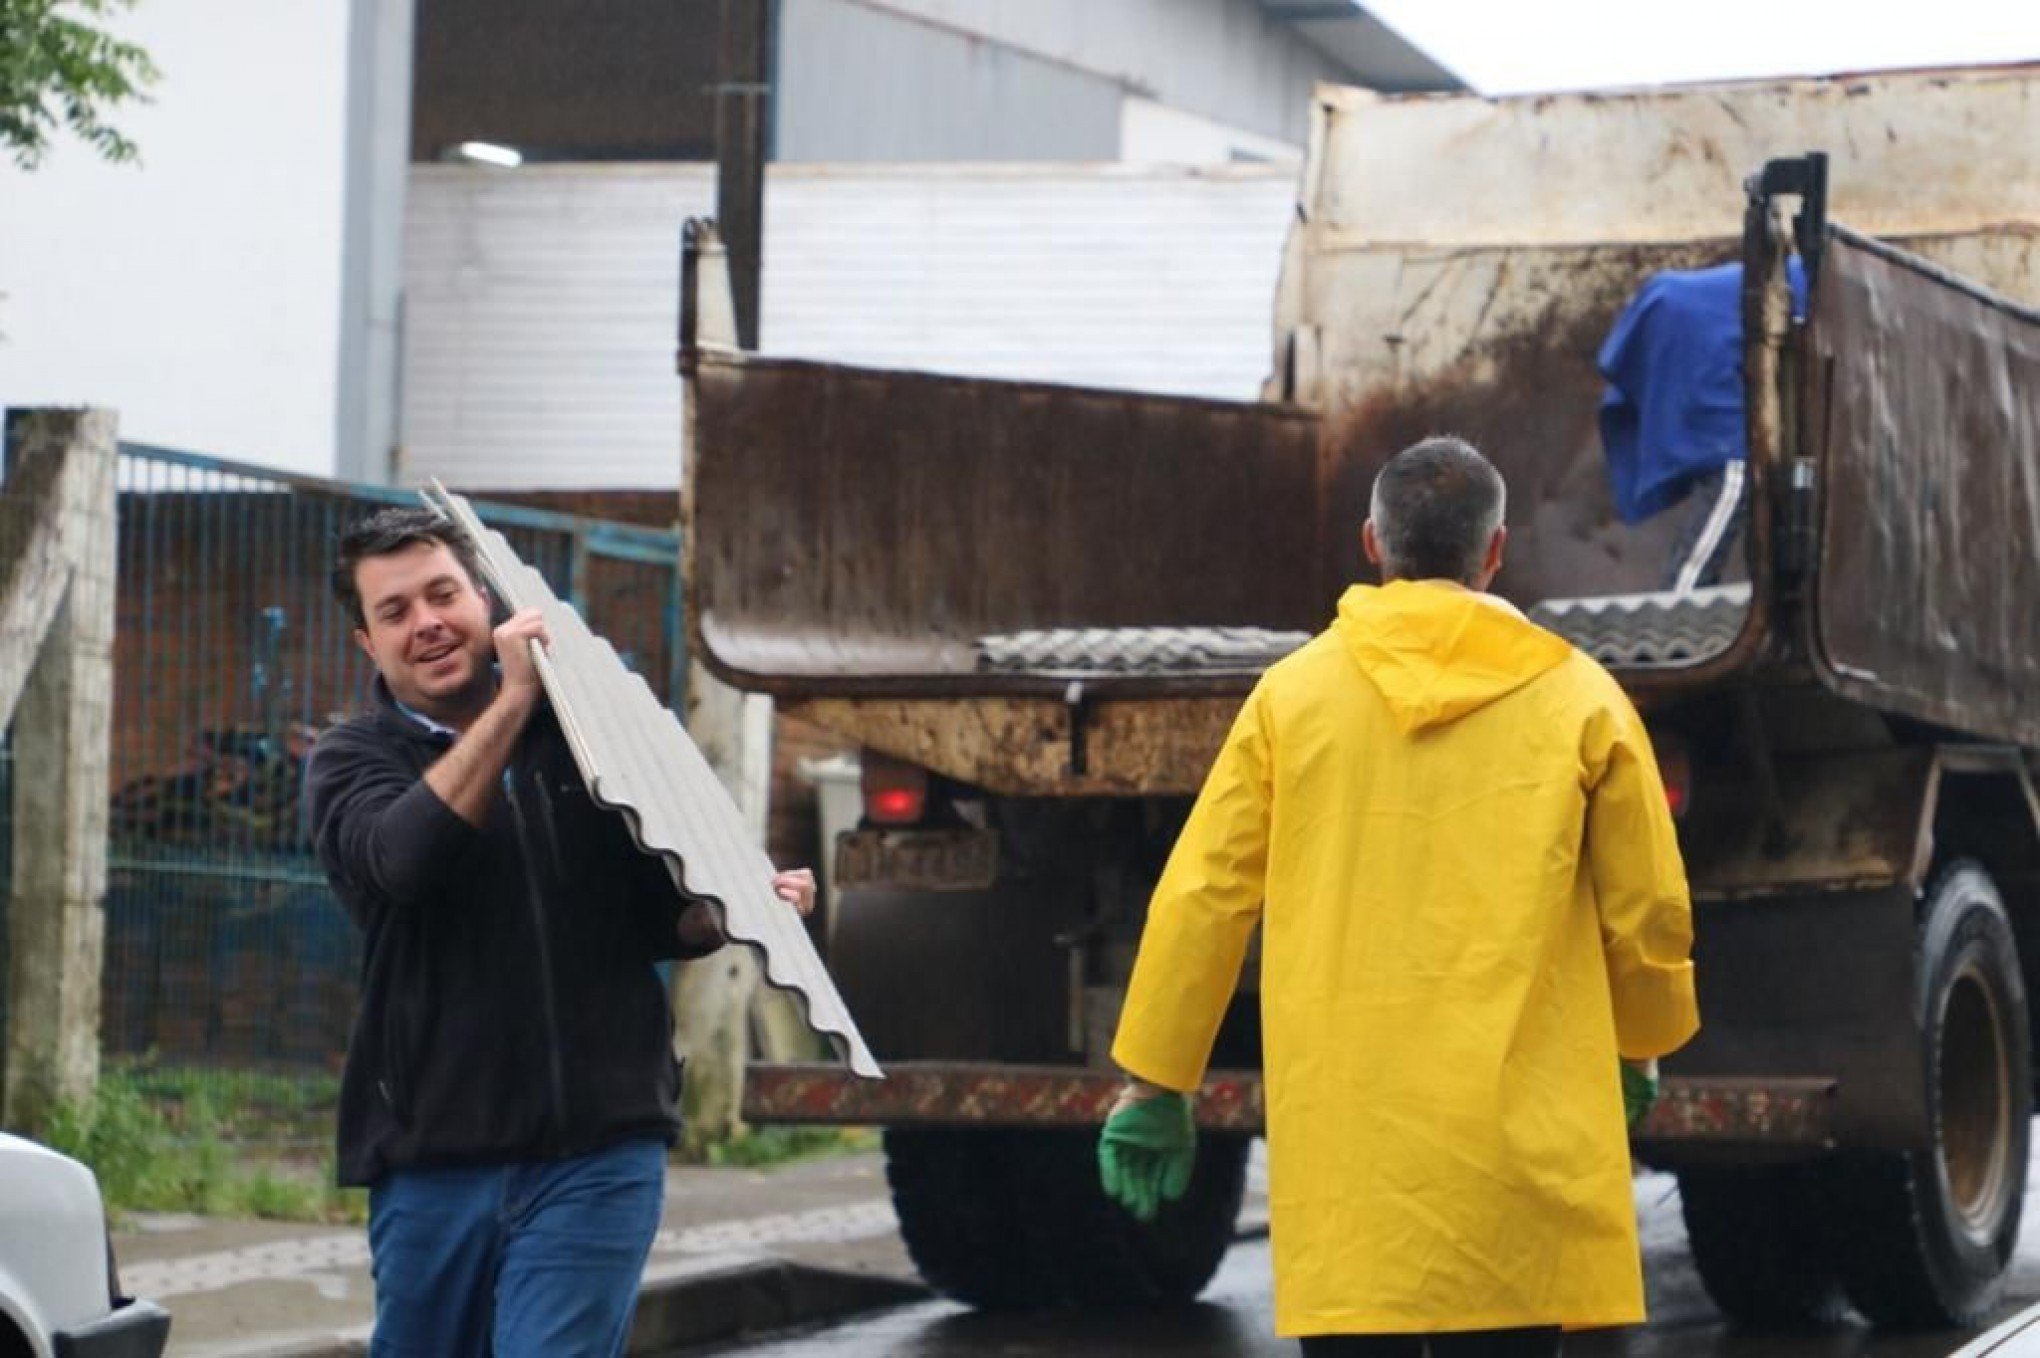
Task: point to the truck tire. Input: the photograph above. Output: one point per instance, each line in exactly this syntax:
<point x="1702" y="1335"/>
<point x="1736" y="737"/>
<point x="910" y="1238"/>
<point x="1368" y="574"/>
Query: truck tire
<point x="1106" y="1257"/>
<point x="958" y="1203"/>
<point x="1015" y="1219"/>
<point x="1926" y="1236"/>
<point x="1759" y="1241"/>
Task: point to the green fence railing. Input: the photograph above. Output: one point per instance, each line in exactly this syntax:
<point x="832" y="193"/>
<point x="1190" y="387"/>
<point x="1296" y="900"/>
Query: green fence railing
<point x="229" y="967"/>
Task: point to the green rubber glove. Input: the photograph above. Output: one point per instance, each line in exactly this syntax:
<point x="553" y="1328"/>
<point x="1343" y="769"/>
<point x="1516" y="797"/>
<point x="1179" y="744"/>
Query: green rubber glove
<point x="1145" y="1153"/>
<point x="1639" y="1091"/>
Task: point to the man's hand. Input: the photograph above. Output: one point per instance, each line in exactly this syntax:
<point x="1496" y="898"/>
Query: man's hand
<point x="796" y="886"/>
<point x="1639" y="1090"/>
<point x="465" y="777"/>
<point x="1147" y="1149"/>
<point x="513" y="651"/>
<point x="700" y="934"/>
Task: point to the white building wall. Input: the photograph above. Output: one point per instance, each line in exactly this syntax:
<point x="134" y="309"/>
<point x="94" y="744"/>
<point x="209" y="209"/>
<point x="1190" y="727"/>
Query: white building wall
<point x="198" y="294"/>
<point x="542" y="303"/>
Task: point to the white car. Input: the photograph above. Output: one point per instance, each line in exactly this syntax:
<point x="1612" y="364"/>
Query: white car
<point x="59" y="1292"/>
<point x="2017" y="1337"/>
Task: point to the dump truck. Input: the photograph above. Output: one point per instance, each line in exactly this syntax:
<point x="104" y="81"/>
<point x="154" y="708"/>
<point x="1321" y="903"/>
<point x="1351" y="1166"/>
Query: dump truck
<point x="1037" y="608"/>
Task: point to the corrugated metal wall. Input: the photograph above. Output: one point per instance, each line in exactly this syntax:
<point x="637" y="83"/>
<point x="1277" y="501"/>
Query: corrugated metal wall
<point x="1229" y="60"/>
<point x="541" y="303"/>
<point x="952" y="96"/>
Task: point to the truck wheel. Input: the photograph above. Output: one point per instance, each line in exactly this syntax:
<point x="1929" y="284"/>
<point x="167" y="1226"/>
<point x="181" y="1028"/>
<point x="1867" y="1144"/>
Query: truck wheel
<point x="1758" y="1241"/>
<point x="958" y="1203"/>
<point x="1009" y="1219"/>
<point x="1107" y="1258"/>
<point x="1926" y="1235"/>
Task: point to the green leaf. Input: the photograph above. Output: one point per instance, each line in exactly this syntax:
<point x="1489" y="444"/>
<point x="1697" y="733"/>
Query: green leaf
<point x="60" y="71"/>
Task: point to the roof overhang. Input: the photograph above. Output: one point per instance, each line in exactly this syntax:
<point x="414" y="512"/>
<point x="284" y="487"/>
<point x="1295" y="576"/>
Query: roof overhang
<point x="1366" y="49"/>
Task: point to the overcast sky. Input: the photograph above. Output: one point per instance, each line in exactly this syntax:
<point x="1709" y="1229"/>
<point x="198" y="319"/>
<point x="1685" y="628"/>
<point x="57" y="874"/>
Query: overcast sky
<point x="1503" y="46"/>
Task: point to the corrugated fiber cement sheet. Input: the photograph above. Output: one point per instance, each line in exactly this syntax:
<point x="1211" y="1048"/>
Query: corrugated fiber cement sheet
<point x="636" y="758"/>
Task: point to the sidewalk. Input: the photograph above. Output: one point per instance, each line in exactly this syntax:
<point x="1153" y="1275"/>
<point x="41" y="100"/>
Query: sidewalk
<point x="741" y="1251"/>
<point x="729" y="1237"/>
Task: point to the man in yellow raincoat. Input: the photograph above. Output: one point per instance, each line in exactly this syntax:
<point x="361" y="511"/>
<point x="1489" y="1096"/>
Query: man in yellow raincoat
<point x="1450" y="826"/>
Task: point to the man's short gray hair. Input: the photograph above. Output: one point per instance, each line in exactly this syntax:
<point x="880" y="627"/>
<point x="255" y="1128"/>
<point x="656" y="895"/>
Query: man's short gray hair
<point x="1436" y="505"/>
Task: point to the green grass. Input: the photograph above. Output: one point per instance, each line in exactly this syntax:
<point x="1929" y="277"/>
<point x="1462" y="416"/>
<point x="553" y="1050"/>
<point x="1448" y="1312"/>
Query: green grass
<point x="185" y="1141"/>
<point x="242" y="1105"/>
<point x="776" y="1145"/>
<point x="239" y="1144"/>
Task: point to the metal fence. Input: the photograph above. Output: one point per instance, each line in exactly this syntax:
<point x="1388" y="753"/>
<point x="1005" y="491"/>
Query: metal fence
<point x="229" y="967"/>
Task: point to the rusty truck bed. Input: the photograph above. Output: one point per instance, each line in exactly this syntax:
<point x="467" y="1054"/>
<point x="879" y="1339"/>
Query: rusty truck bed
<point x="865" y="545"/>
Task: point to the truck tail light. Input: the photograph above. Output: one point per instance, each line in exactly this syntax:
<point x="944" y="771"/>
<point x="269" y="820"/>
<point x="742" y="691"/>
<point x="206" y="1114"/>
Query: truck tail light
<point x="1676" y="769"/>
<point x="895" y="792"/>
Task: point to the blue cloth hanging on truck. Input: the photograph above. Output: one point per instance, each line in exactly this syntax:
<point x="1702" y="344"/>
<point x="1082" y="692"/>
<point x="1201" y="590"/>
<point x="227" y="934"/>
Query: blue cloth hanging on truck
<point x="1673" y="411"/>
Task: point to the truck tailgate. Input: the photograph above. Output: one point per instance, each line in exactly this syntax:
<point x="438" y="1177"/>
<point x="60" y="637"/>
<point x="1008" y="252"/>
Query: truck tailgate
<point x="1923" y="412"/>
<point x="854" y="532"/>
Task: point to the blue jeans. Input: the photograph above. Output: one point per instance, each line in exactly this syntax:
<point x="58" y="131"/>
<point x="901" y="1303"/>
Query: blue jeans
<point x="506" y="1261"/>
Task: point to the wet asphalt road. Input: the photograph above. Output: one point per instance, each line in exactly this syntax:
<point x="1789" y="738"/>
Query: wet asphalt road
<point x="1234" y="1317"/>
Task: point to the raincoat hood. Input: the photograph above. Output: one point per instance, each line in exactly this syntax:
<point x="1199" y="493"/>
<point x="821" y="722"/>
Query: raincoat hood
<point x="1437" y="650"/>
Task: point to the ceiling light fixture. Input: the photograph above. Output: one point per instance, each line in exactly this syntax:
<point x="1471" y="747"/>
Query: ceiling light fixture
<point x="489" y="153"/>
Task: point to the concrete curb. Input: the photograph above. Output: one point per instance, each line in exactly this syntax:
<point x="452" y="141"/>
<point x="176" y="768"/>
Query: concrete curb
<point x="744" y="1301"/>
<point x="754" y="1299"/>
<point x="711" y="1308"/>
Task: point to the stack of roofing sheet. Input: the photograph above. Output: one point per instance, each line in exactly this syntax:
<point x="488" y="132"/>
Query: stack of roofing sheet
<point x="637" y="759"/>
<point x="1136" y="650"/>
<point x="1650" y="629"/>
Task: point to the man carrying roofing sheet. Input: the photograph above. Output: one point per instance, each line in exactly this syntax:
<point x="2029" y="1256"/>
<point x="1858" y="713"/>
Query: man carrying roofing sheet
<point x="510" y="1088"/>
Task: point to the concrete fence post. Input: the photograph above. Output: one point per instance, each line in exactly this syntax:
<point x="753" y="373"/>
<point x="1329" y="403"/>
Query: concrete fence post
<point x="61" y="725"/>
<point x="712" y="996"/>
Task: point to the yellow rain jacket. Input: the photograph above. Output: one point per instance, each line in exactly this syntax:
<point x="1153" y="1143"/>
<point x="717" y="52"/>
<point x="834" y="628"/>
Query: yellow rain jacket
<point x="1450" y="826"/>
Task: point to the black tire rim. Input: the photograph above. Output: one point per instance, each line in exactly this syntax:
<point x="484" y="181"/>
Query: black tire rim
<point x="1975" y="1101"/>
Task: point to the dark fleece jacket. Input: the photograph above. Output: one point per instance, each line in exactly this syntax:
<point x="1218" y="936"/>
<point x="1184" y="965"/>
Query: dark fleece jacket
<point x="510" y="1009"/>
